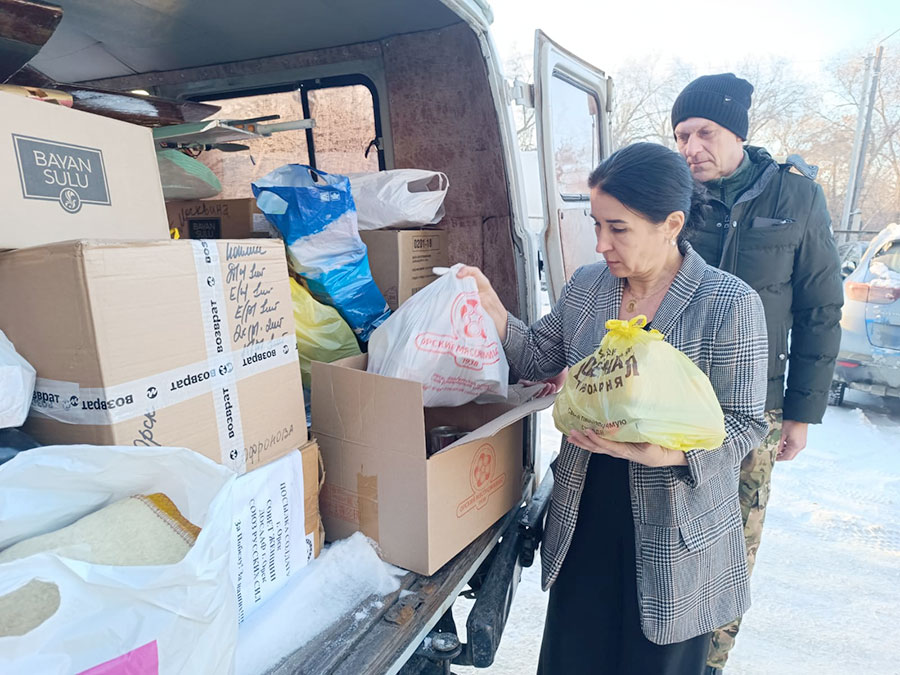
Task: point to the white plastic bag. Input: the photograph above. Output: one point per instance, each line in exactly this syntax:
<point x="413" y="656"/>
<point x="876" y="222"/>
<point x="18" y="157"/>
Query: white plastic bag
<point x="315" y="215"/>
<point x="140" y="620"/>
<point x="442" y="338"/>
<point x="16" y="385"/>
<point x="399" y="197"/>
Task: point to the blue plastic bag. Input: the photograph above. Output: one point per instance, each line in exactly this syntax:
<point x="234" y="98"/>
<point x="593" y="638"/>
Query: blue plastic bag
<point x="316" y="216"/>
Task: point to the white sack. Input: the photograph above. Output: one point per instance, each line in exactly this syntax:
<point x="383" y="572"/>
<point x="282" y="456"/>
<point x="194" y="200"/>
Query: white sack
<point x="16" y="385"/>
<point x="172" y="619"/>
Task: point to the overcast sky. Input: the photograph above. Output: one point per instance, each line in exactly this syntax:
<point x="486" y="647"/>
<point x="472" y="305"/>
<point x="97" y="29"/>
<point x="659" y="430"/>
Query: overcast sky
<point x="807" y="32"/>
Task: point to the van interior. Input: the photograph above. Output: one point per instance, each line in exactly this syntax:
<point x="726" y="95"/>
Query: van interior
<point x="392" y="84"/>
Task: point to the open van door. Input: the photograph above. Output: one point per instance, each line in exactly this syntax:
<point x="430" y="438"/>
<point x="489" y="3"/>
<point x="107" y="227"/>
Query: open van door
<point x="572" y="101"/>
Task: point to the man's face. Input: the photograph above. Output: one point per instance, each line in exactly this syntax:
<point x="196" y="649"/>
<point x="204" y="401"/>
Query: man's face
<point x="711" y="150"/>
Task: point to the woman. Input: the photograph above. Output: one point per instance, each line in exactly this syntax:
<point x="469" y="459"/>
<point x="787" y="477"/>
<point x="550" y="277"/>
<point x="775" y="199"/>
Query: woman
<point x="643" y="550"/>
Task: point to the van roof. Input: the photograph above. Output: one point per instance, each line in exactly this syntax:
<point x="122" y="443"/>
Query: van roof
<point x="97" y="40"/>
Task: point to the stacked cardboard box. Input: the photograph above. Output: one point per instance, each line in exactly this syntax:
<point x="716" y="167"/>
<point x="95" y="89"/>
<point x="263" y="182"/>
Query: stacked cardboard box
<point x="66" y="174"/>
<point x="172" y="343"/>
<point x="139" y="340"/>
<point x="218" y="219"/>
<point x="402" y="260"/>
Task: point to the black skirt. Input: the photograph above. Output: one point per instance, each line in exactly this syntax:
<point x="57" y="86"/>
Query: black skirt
<point x="593" y="624"/>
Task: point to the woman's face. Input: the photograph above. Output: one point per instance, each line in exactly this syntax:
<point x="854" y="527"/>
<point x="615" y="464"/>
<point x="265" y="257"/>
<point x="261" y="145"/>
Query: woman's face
<point x="631" y="245"/>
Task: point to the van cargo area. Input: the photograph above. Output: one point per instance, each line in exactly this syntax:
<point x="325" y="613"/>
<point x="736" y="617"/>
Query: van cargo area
<point x="233" y="92"/>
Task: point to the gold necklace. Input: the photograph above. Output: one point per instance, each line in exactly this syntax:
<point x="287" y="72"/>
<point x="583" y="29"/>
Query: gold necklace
<point x="635" y="299"/>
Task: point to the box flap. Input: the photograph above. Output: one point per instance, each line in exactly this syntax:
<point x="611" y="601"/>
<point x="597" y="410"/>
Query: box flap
<point x="363" y="408"/>
<point x="504" y="420"/>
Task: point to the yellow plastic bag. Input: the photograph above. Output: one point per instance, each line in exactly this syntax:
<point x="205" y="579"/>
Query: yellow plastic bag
<point x="322" y="335"/>
<point x="637" y="388"/>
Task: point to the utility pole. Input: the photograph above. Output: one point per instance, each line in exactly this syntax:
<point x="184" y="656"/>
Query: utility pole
<point x="851" y="217"/>
<point x="856" y="156"/>
<point x="855" y="215"/>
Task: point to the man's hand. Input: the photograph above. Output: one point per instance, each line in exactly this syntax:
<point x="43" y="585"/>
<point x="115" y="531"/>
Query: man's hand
<point x="793" y="440"/>
<point x="647" y="454"/>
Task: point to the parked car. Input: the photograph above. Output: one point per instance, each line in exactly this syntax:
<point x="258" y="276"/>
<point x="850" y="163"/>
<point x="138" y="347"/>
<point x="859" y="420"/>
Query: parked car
<point x="869" y="359"/>
<point x="850" y="253"/>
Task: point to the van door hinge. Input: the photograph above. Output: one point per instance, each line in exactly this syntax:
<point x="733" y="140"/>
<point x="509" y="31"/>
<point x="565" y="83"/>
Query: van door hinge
<point x="521" y="93"/>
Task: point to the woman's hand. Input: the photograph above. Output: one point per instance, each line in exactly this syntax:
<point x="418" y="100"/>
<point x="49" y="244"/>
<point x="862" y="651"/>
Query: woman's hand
<point x="489" y="298"/>
<point x="551" y="384"/>
<point x="647" y="454"/>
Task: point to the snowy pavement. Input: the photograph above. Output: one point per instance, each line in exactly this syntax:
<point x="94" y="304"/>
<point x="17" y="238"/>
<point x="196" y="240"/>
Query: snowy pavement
<point x="826" y="589"/>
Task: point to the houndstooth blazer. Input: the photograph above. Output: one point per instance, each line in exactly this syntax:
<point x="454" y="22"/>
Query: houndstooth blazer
<point x="690" y="552"/>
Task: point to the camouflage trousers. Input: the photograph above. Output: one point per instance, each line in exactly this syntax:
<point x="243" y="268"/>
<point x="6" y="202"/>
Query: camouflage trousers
<point x="756" y="478"/>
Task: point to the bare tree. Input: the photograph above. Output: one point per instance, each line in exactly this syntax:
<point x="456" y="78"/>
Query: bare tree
<point x="642" y="104"/>
<point x="789" y="114"/>
<point x="519" y="66"/>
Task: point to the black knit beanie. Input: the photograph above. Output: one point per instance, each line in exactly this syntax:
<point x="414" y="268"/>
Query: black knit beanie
<point x="724" y="99"/>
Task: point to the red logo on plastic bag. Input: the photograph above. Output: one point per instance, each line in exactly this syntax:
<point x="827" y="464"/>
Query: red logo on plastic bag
<point x="483" y="479"/>
<point x="469" y="345"/>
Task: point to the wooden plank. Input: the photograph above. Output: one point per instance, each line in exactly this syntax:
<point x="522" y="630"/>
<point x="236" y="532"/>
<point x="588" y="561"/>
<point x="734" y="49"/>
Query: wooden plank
<point x="25" y="27"/>
<point x="383" y="641"/>
<point x="150" y="111"/>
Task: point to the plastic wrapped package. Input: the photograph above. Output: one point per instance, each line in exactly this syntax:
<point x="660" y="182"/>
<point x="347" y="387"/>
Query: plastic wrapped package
<point x="184" y="177"/>
<point x="322" y="335"/>
<point x="315" y="215"/>
<point x="62" y="613"/>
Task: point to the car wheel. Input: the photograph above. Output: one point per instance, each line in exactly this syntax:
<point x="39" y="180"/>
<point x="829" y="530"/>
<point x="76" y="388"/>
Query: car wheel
<point x="836" y="393"/>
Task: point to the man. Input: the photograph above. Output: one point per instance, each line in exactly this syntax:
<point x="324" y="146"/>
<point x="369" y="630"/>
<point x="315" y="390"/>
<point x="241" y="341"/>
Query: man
<point x="768" y="225"/>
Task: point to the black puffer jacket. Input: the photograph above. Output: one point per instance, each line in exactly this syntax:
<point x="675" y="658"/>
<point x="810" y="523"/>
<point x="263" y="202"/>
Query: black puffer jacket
<point x="777" y="237"/>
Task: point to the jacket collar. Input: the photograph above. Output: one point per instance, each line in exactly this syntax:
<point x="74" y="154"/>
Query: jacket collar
<point x="761" y="170"/>
<point x="765" y="169"/>
<point x="683" y="287"/>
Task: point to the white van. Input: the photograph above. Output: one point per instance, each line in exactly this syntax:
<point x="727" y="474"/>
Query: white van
<point x="390" y="84"/>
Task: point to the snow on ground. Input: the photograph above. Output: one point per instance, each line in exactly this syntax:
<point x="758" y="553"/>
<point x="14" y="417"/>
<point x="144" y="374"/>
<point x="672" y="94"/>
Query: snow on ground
<point x="826" y="589"/>
<point x="333" y="585"/>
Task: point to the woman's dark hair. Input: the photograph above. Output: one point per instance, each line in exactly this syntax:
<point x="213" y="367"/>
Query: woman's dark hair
<point x="653" y="181"/>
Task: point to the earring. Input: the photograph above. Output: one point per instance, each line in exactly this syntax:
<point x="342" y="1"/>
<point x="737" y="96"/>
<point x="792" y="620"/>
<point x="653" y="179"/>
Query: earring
<point x="672" y="241"/>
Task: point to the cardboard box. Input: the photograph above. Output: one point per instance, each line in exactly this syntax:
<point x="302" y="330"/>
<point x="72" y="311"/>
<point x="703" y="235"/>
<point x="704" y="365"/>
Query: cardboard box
<point x="66" y="174"/>
<point x="276" y="528"/>
<point x="218" y="219"/>
<point x="172" y="343"/>
<point x="421" y="510"/>
<point x="401" y="260"/>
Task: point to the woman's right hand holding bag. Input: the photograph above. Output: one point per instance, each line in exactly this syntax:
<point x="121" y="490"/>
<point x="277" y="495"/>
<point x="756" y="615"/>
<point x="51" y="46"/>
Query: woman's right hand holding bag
<point x="490" y="301"/>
